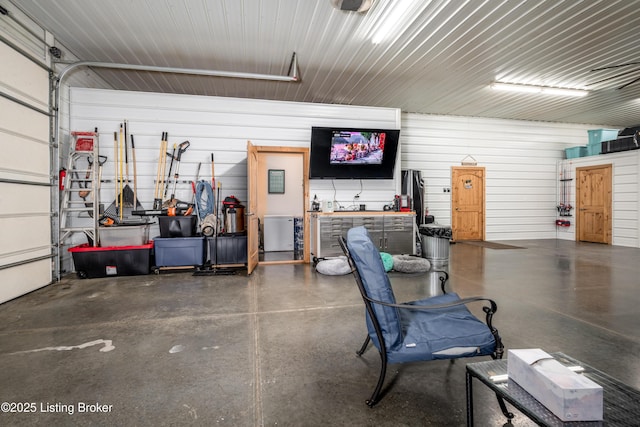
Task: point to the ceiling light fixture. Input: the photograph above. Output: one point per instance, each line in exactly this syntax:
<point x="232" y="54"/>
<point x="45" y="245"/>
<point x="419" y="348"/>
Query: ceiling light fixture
<point x="352" y="5"/>
<point x="545" y="90"/>
<point x="390" y="20"/>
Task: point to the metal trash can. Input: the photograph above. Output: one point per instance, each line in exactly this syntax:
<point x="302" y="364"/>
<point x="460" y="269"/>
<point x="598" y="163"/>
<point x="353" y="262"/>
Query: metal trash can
<point x="435" y="243"/>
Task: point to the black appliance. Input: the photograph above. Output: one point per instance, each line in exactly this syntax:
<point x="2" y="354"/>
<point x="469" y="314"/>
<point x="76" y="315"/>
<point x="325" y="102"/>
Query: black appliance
<point x="413" y="186"/>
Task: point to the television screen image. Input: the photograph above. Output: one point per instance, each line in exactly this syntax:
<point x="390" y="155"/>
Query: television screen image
<point x="349" y="148"/>
<point x="353" y="153"/>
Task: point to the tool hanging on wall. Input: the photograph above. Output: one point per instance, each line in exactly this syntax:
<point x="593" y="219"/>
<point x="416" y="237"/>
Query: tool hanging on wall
<point x="162" y="161"/>
<point x="194" y="205"/>
<point x="111" y="214"/>
<point x="172" y="202"/>
<point x="115" y="172"/>
<point x="129" y="201"/>
<point x="167" y="181"/>
<point x="564" y="208"/>
<point x="213" y="173"/>
<point x="120" y="175"/>
<point x="125" y="202"/>
<point x="135" y="174"/>
<point x="204" y="202"/>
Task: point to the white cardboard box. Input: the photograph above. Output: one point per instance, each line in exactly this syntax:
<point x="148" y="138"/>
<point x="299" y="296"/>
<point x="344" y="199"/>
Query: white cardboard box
<point x="570" y="396"/>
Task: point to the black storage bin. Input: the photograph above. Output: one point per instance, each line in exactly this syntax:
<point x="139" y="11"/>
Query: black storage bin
<point x="177" y="226"/>
<point x="228" y="249"/>
<point x="623" y="143"/>
<point x="91" y="262"/>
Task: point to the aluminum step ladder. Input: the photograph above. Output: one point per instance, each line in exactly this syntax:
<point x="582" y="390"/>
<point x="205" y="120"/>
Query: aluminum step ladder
<point x="79" y="201"/>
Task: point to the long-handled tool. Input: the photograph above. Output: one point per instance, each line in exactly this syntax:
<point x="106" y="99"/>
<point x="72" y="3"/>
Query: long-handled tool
<point x="213" y="173"/>
<point x="128" y="195"/>
<point x="123" y="194"/>
<point x="96" y="196"/>
<point x="194" y="204"/>
<point x="111" y="213"/>
<point x="167" y="182"/>
<point x="121" y="175"/>
<point x="178" y="156"/>
<point x="162" y="160"/>
<point x="135" y="173"/>
<point x="115" y="170"/>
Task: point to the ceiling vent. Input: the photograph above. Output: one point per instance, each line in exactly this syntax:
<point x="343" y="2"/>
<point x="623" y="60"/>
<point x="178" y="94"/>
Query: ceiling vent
<point x="352" y="5"/>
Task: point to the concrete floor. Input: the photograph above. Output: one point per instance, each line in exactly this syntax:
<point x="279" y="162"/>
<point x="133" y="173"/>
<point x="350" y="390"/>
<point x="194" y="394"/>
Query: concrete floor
<point x="277" y="348"/>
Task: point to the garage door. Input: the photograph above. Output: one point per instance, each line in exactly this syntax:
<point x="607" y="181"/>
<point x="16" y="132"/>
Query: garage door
<point x="25" y="198"/>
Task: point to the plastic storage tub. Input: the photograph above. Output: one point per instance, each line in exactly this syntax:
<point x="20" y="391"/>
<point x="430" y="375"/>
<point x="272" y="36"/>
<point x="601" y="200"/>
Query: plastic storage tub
<point x="124" y="235"/>
<point x="596" y="136"/>
<point x="230" y="249"/>
<point x="574" y="152"/>
<point x="91" y="262"/>
<point x="177" y="226"/>
<point x="594" y="149"/>
<point x="178" y="251"/>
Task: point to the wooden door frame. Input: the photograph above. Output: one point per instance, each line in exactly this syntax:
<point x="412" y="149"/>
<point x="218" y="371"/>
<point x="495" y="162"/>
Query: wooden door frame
<point x="609" y="203"/>
<point x="253" y="231"/>
<point x="263" y="150"/>
<point x="484" y="197"/>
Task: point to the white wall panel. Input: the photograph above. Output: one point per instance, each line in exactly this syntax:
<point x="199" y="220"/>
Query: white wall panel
<point x="520" y="158"/>
<point x="221" y="126"/>
<point x="625" y="198"/>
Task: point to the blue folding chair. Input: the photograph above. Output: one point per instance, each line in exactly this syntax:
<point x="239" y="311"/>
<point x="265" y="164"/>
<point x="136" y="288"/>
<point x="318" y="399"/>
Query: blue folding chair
<point x="440" y="327"/>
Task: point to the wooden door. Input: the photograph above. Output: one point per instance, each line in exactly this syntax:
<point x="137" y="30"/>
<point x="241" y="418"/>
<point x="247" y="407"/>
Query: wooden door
<point x="252" y="217"/>
<point x="467" y="203"/>
<point x="593" y="204"/>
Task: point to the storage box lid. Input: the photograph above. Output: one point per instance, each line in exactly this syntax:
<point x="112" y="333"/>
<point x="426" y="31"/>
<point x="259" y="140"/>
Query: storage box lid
<point x="86" y="248"/>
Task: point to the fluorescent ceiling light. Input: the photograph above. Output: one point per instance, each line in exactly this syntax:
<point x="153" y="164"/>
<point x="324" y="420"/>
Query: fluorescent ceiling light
<point x="390" y="20"/>
<point x="545" y="90"/>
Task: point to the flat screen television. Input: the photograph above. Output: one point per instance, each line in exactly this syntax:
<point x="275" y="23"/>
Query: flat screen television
<point x="353" y="153"/>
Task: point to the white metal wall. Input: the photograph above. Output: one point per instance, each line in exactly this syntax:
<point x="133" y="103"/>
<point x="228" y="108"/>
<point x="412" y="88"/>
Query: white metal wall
<point x="625" y="196"/>
<point x="520" y="158"/>
<point x="221" y="126"/>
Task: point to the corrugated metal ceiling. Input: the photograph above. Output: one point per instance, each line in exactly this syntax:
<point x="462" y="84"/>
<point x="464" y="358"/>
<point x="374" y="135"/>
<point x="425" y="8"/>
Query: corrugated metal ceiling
<point x="439" y="59"/>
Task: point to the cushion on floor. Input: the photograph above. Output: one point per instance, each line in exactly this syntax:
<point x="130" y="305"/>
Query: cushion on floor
<point x="410" y="264"/>
<point x="334" y="266"/>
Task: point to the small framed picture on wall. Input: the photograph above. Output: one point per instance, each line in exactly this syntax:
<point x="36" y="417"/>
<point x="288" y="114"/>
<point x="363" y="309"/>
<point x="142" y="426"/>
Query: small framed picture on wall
<point x="276" y="181"/>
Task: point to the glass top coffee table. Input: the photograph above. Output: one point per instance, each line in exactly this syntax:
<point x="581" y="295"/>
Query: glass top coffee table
<point x="621" y="402"/>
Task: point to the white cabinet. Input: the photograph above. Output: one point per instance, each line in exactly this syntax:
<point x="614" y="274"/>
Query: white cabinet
<point x="392" y="232"/>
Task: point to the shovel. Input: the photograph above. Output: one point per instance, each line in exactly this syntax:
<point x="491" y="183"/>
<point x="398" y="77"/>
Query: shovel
<point x="125" y="200"/>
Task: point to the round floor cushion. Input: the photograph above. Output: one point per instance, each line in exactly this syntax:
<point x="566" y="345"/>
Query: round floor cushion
<point x="410" y="264"/>
<point x="334" y="266"/>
